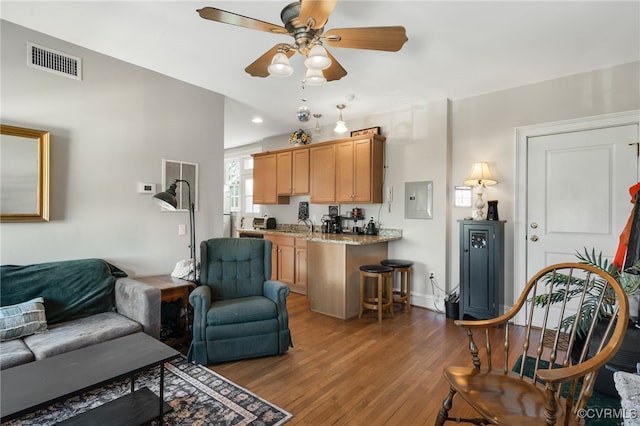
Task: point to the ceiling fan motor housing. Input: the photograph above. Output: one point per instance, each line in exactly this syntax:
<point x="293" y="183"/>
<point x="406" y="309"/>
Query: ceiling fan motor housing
<point x="303" y="37"/>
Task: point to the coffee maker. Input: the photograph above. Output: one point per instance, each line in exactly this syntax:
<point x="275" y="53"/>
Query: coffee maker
<point x="335" y="225"/>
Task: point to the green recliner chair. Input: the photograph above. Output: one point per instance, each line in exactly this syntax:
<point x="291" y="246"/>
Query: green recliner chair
<point x="239" y="312"/>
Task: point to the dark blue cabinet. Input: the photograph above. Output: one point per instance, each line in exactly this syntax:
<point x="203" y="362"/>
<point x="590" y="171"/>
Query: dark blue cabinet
<point x="481" y="268"/>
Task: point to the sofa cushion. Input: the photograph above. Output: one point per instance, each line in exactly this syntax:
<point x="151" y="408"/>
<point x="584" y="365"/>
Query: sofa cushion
<point x="78" y="333"/>
<point x="22" y="319"/>
<point x="245" y="309"/>
<point x="71" y="289"/>
<point x="14" y="352"/>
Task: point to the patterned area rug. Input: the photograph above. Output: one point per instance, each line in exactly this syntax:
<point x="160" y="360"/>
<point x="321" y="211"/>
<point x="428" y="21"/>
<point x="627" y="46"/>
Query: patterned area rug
<point x="197" y="395"/>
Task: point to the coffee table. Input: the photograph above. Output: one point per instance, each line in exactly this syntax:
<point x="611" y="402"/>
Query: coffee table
<point x="34" y="385"/>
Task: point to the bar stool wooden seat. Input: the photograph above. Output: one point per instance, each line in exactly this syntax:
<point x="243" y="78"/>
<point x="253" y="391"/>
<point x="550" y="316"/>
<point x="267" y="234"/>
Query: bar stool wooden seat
<point x="382" y="297"/>
<point x="403" y="268"/>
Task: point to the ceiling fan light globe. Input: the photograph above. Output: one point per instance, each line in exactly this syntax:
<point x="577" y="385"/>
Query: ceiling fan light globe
<point x="317" y="59"/>
<point x="314" y="77"/>
<point x="280" y="66"/>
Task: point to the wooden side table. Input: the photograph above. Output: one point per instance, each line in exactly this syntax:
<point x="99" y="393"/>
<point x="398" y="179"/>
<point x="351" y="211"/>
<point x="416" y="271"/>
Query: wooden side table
<point x="171" y="290"/>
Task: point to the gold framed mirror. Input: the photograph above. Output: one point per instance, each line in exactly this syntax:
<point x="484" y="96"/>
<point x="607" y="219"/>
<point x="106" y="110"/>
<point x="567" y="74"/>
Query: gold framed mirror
<point x="24" y="174"/>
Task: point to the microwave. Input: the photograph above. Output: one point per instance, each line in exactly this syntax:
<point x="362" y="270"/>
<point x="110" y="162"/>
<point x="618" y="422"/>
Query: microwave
<point x="264" y="222"/>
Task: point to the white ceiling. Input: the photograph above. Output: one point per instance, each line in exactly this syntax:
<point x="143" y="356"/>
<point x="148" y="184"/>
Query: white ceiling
<point x="456" y="49"/>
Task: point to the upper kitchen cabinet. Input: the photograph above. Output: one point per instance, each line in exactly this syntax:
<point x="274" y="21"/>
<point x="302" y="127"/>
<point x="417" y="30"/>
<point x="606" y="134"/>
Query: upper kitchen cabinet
<point x="344" y="171"/>
<point x="322" y="169"/>
<point x="293" y="172"/>
<point x="359" y="166"/>
<point x="264" y="180"/>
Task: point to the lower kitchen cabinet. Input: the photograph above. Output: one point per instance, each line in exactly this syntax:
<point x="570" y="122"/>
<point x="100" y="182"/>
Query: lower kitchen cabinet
<point x="289" y="262"/>
<point x="300" y="282"/>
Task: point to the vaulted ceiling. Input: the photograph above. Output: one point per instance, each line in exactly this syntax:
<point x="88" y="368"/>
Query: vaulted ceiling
<point x="456" y="49"/>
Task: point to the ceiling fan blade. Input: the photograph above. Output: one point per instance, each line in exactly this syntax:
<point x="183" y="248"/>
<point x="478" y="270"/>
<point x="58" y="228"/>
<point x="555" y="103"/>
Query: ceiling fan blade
<point x="258" y="68"/>
<point x="390" y="39"/>
<point x="219" y="15"/>
<point x="319" y="10"/>
<point x="335" y="70"/>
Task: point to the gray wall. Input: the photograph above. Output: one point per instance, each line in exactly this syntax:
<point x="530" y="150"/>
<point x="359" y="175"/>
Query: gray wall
<point x="108" y="132"/>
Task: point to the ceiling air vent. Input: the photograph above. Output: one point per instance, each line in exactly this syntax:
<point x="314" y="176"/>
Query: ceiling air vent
<point x="53" y="61"/>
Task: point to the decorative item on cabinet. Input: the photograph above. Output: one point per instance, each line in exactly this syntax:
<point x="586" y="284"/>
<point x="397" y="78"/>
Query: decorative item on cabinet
<point x="481" y="177"/>
<point x="299" y="138"/>
<point x="362" y="132"/>
<point x="492" y="211"/>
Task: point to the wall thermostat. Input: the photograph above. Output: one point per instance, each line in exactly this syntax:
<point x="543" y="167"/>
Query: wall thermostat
<point x="146" y="188"/>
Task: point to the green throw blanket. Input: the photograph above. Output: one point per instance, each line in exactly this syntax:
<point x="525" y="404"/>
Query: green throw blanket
<point x="71" y="289"/>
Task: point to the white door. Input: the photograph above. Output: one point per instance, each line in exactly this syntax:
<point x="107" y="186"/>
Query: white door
<point x="576" y="193"/>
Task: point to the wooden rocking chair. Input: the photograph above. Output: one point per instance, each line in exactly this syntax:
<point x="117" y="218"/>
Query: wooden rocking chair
<point x="559" y="358"/>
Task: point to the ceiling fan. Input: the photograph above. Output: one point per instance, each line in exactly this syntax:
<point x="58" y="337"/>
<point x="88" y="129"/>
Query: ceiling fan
<point x="304" y="20"/>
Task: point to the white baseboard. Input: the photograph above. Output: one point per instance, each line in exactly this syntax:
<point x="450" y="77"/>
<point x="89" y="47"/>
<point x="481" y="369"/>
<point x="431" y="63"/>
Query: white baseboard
<point x="428" y="301"/>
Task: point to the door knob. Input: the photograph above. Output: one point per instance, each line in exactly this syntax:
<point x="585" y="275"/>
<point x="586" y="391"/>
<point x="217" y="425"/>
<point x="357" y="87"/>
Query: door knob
<point x="534" y="238"/>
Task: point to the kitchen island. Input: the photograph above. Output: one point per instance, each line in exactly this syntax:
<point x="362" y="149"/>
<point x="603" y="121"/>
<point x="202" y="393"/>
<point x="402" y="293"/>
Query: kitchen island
<point x="333" y="262"/>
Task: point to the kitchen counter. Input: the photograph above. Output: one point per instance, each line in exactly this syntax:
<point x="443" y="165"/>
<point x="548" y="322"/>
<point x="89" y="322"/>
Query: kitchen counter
<point x="384" y="235"/>
<point x="333" y="274"/>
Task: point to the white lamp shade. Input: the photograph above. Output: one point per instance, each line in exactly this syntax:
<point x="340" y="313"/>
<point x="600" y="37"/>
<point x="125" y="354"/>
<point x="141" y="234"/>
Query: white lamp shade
<point x="480" y="175"/>
<point x="317" y="59"/>
<point x="280" y="66"/>
<point x="314" y="77"/>
<point x="341" y="127"/>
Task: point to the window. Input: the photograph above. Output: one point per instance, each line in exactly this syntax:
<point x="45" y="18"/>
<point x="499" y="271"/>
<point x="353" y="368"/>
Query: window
<point x="238" y="186"/>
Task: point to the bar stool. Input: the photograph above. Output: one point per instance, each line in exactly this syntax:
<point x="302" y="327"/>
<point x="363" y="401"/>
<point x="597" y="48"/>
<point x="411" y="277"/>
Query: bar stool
<point x="403" y="268"/>
<point x="383" y="295"/>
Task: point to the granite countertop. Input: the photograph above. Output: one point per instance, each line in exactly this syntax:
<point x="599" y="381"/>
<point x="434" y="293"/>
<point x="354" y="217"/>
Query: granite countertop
<point x="384" y="235"/>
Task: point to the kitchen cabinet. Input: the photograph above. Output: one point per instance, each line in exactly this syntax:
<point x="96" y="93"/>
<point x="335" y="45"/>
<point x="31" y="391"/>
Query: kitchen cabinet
<point x="300" y="281"/>
<point x="349" y="170"/>
<point x="289" y="261"/>
<point x="292" y="172"/>
<point x="481" y="268"/>
<point x="265" y="180"/>
<point x="322" y="170"/>
<point x="359" y="166"/>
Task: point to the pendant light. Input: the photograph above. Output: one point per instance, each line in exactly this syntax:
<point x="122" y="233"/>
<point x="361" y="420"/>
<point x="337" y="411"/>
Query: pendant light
<point x="341" y="126"/>
<point x="304" y="113"/>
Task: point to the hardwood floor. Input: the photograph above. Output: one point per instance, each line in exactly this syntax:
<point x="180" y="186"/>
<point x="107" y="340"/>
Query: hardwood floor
<point x="359" y="372"/>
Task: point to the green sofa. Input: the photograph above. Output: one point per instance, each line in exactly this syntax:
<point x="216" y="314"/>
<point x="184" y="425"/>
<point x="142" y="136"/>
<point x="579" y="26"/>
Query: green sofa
<point x="239" y="312"/>
<point x="85" y="301"/>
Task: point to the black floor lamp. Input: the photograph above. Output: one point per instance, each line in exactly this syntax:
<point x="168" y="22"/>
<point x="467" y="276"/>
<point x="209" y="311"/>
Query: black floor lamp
<point x="167" y="199"/>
